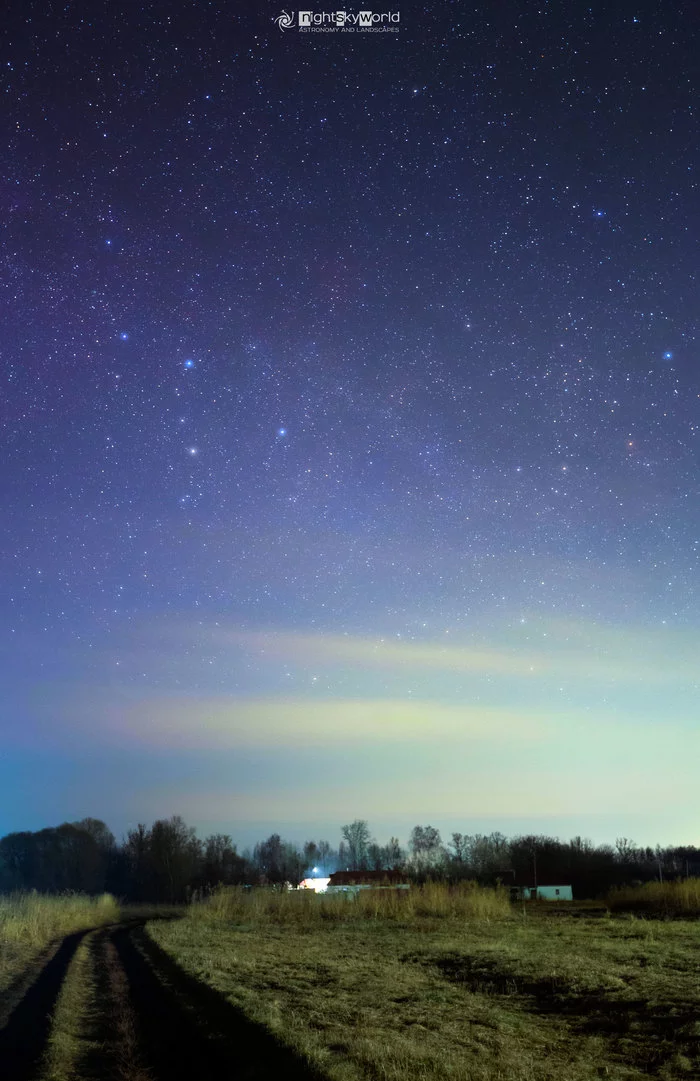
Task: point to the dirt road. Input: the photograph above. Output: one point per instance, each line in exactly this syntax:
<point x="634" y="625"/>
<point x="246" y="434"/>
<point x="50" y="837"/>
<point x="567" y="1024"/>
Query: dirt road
<point x="110" y="1004"/>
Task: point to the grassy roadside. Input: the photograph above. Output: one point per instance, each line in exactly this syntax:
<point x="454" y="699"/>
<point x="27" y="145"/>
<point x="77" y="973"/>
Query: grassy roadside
<point x="29" y="922"/>
<point x="443" y="997"/>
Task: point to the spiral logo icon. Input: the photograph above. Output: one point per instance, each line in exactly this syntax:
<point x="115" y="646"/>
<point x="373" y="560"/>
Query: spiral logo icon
<point x="284" y="21"/>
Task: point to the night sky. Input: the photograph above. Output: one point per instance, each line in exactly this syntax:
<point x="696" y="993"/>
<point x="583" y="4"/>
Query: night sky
<point x="350" y="419"/>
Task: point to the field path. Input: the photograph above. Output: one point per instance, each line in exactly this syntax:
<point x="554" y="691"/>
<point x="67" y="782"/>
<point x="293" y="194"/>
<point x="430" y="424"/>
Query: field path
<point x="110" y="1004"/>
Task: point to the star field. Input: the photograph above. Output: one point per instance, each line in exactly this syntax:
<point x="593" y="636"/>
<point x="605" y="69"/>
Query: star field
<point x="387" y="336"/>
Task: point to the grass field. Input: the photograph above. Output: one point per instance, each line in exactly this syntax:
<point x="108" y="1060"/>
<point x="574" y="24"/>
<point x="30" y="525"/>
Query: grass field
<point x="452" y="985"/>
<point x="30" y="921"/>
<point x="306" y="909"/>
<point x="658" y="898"/>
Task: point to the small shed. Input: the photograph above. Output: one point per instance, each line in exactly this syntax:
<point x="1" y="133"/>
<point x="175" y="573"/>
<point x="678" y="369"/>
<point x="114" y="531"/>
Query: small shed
<point x="541" y="892"/>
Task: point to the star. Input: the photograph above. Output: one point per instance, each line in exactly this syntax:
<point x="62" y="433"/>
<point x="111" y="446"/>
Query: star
<point x="330" y="277"/>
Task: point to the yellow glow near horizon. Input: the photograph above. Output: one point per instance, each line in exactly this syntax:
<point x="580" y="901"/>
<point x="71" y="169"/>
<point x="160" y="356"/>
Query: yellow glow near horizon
<point x="231" y="722"/>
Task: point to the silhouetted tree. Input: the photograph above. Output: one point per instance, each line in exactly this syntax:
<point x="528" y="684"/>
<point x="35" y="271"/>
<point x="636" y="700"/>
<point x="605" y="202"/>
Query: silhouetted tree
<point x="460" y="848"/>
<point x="278" y="861"/>
<point x="137" y="850"/>
<point x="17" y="861"/>
<point x="311" y="858"/>
<point x="357" y="838"/>
<point x="327" y="857"/>
<point x="99" y="832"/>
<point x="394" y="856"/>
<point x="375" y="856"/>
<point x="221" y="862"/>
<point x="174" y="858"/>
<point x="167" y="861"/>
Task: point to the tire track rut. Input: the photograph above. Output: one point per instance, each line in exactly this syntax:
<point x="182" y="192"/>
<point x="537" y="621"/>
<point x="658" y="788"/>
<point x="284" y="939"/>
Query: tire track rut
<point x="147" y="1020"/>
<point x="26" y="1032"/>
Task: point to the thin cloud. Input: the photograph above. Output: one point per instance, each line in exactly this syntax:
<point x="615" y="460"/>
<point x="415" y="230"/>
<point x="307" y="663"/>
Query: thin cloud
<point x="387" y="653"/>
<point x="566" y="651"/>
<point x="221" y="723"/>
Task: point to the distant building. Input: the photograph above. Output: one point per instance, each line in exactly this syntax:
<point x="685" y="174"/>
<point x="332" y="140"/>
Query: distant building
<point x="353" y="881"/>
<point x="541" y="892"/>
<point x="319" y="885"/>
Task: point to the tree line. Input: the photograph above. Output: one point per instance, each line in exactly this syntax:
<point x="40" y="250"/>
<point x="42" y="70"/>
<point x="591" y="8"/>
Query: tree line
<point x="168" y="863"/>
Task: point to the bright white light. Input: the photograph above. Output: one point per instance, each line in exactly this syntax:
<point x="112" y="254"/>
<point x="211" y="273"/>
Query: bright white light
<point x="319" y="885"/>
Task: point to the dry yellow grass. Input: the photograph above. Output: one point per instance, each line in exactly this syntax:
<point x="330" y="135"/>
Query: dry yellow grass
<point x="30" y="921"/>
<point x="304" y="908"/>
<point x="658" y="898"/>
<point x="35" y="918"/>
<point x="427" y="993"/>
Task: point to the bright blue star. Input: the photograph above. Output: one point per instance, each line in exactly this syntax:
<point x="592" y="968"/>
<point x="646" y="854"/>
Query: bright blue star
<point x="124" y="336"/>
<point x="599" y="213"/>
<point x="281" y="432"/>
<point x="189" y="364"/>
<point x="668" y="355"/>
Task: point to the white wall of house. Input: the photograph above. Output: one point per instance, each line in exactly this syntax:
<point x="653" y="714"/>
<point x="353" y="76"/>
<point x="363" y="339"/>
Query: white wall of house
<point x="547" y="893"/>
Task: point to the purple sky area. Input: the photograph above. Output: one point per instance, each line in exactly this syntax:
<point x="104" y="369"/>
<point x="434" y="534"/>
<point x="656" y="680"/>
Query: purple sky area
<point x="349" y="416"/>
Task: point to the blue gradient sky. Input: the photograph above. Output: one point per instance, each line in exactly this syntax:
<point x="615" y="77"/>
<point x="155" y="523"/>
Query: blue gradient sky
<point x="350" y="421"/>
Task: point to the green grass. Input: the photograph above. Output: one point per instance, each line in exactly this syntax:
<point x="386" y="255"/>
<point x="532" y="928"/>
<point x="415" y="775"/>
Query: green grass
<point x="437" y="991"/>
<point x="658" y="898"/>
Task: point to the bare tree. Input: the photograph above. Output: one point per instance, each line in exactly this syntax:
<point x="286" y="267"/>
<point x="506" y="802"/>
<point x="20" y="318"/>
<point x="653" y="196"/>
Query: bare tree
<point x="175" y="855"/>
<point x="375" y="856"/>
<point x="460" y="847"/>
<point x="327" y="857"/>
<point x="278" y="861"/>
<point x="626" y="850"/>
<point x="311" y="855"/>
<point x="394" y="855"/>
<point x="357" y="838"/>
<point x="426" y="848"/>
<point x="222" y="864"/>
